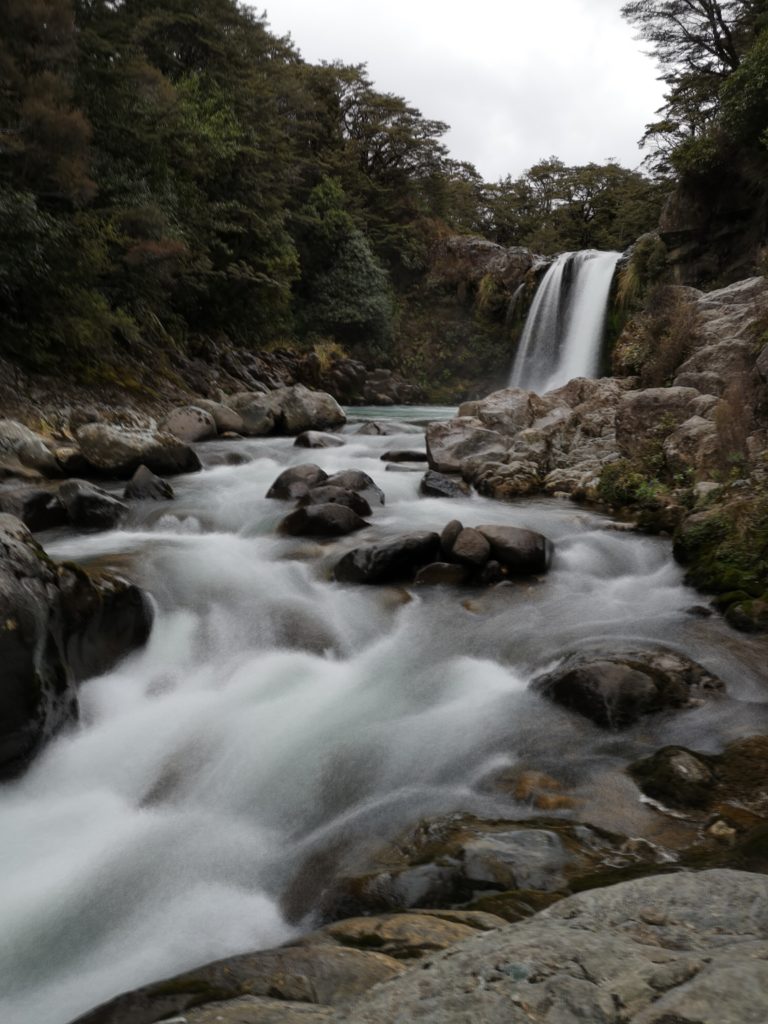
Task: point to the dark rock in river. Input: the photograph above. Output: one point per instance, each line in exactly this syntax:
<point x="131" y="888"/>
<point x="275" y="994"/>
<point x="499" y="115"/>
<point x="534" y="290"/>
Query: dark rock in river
<point x="145" y="486"/>
<point x="356" y="480"/>
<point x="677" y="777"/>
<point x="448" y="537"/>
<point x="615" y="690"/>
<point x="330" y="520"/>
<point x="317" y="439"/>
<point x="117" y="452"/>
<point x="438" y="485"/>
<point x="404" y="456"/>
<point x="442" y="574"/>
<point x="37" y="508"/>
<point x="326" y="495"/>
<point x="296" y="481"/>
<point x="470" y="548"/>
<point x="523" y="552"/>
<point x="395" y="562"/>
<point x="57" y="625"/>
<point x="89" y="507"/>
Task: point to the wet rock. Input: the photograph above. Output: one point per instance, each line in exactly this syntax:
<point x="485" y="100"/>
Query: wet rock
<point x="226" y="419"/>
<point x="660" y="950"/>
<point x="89" y="507"/>
<point x="442" y="574"/>
<point x="615" y="690"/>
<point x="361" y="483"/>
<point x="190" y="423"/>
<point x="317" y="439"/>
<point x="411" y="455"/>
<point x="507" y="411"/>
<point x="328" y="495"/>
<point x="676" y="777"/>
<point x="386" y="428"/>
<point x="471" y="548"/>
<point x="71" y="461"/>
<point x="450" y="444"/>
<point x="145" y="486"/>
<point x="409" y="936"/>
<point x="22" y="452"/>
<point x="325" y="975"/>
<point x="256" y="412"/>
<point x="330" y="520"/>
<point x="118" y="452"/>
<point x="448" y="537"/>
<point x="296" y="481"/>
<point x="292" y="410"/>
<point x="394" y="562"/>
<point x="37" y="508"/>
<point x="522" y="552"/>
<point x="438" y="485"/>
<point x="57" y="625"/>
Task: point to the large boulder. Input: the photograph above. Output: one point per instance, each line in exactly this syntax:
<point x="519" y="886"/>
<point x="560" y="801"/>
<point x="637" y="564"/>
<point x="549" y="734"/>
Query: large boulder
<point x="22" y="452"/>
<point x="693" y="447"/>
<point x="507" y="411"/>
<point x="651" y="414"/>
<point x="329" y="495"/>
<point x="616" y="689"/>
<point x="361" y="483"/>
<point x="144" y="485"/>
<point x="118" y="452"/>
<point x="329" y="520"/>
<point x="57" y="625"/>
<point x="450" y="444"/>
<point x="292" y="409"/>
<point x="89" y="507"/>
<point x="36" y="507"/>
<point x="522" y="552"/>
<point x="190" y="423"/>
<point x="256" y="411"/>
<point x="393" y="562"/>
<point x="296" y="481"/>
<point x="318" y="439"/>
<point x="226" y="419"/>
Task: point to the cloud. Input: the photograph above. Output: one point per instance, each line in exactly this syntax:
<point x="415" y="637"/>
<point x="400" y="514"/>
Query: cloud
<point x="516" y="81"/>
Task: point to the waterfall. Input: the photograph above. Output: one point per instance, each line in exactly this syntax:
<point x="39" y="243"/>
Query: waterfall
<point x="564" y="330"/>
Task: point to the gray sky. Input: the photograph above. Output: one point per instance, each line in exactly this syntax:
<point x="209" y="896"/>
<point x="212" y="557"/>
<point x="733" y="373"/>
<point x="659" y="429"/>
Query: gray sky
<point x="516" y="80"/>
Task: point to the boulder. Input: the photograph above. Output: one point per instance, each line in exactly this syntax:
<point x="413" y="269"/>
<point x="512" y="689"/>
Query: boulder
<point x="89" y="507"/>
<point x="523" y="552"/>
<point x="614" y="690"/>
<point x="450" y="444"/>
<point x="448" y="537"/>
<point x="471" y="548"/>
<point x="411" y="936"/>
<point x="37" y="508"/>
<point x="190" y="423"/>
<point x="412" y="455"/>
<point x="296" y="409"/>
<point x="361" y="483"/>
<point x="296" y="481"/>
<point x="225" y="418"/>
<point x="329" y="520"/>
<point x="118" y="452"/>
<point x="393" y="562"/>
<point x="317" y="439"/>
<point x="677" y="777"/>
<point x="22" y="452"/>
<point x="693" y="447"/>
<point x="57" y="625"/>
<point x="441" y="574"/>
<point x="325" y="495"/>
<point x="71" y="461"/>
<point x="507" y="411"/>
<point x="145" y="486"/>
<point x="650" y="414"/>
<point x="438" y="485"/>
<point x="256" y="411"/>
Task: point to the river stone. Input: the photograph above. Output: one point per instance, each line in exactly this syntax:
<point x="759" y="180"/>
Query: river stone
<point x="438" y="485"/>
<point x="361" y="483"/>
<point x="448" y="537"/>
<point x="404" y="456"/>
<point x="409" y="936"/>
<point x="682" y="949"/>
<point x="57" y="625"/>
<point x="296" y="481"/>
<point x="190" y="423"/>
<point x="325" y="495"/>
<point x="317" y="439"/>
<point x="450" y="444"/>
<point x="523" y="552"/>
<point x="118" y="452"/>
<point x="471" y="548"/>
<point x="89" y="507"/>
<point x="145" y="486"/>
<point x="677" y="777"/>
<point x="37" y="508"/>
<point x="442" y="574"/>
<point x="330" y="520"/>
<point x="227" y="420"/>
<point x="615" y="690"/>
<point x="393" y="562"/>
<point x="328" y="975"/>
<point x="21" y="449"/>
<point x="256" y="412"/>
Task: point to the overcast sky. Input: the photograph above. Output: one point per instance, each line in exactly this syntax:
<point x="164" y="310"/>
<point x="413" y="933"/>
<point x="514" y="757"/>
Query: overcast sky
<point x="517" y="80"/>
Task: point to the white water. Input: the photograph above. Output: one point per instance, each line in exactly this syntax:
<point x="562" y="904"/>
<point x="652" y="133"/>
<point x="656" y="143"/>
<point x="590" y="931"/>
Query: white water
<point x="563" y="333"/>
<point x="275" y="715"/>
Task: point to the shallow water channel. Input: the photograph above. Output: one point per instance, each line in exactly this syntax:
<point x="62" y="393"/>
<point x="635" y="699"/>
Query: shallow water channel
<point x="275" y="713"/>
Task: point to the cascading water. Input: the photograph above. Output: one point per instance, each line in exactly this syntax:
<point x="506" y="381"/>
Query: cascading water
<point x="564" y="330"/>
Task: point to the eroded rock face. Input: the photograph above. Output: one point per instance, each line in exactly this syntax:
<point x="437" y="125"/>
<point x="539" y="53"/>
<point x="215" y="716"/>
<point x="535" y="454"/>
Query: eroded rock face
<point x="118" y="452"/>
<point x="615" y="689"/>
<point x="651" y="414"/>
<point x="57" y="625"/>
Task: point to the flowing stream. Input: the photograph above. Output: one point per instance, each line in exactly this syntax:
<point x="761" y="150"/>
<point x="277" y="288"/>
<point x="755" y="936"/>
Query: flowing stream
<point x="563" y="333"/>
<point x="275" y="715"/>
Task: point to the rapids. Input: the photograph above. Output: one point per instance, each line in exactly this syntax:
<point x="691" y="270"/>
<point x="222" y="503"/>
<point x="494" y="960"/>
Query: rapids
<point x="275" y="715"/>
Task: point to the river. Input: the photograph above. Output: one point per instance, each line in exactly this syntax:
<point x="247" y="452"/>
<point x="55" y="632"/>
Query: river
<point x="275" y="714"/>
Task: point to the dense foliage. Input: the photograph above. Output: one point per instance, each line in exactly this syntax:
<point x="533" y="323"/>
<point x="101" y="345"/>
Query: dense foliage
<point x="171" y="171"/>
